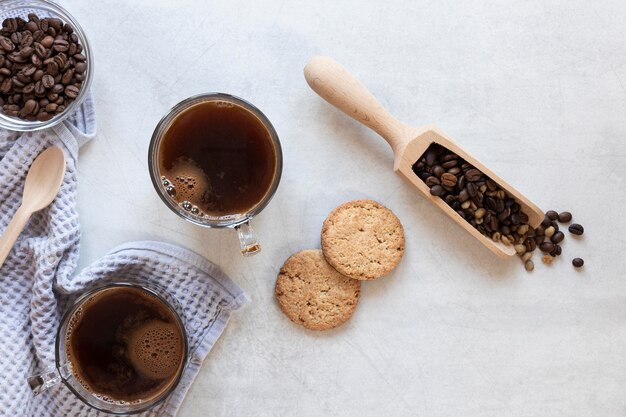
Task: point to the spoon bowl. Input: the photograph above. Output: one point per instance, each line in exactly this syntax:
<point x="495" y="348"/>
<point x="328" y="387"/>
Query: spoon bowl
<point x="43" y="181"/>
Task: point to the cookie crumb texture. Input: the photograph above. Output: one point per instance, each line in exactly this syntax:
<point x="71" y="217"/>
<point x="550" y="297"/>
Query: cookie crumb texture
<point x="363" y="239"/>
<point x="312" y="294"/>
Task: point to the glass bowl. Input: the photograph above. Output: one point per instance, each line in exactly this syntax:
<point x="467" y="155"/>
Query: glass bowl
<point x="45" y="8"/>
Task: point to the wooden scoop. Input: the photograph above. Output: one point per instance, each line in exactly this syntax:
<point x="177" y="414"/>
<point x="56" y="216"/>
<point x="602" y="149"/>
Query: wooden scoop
<point x="42" y="185"/>
<point x="337" y="86"/>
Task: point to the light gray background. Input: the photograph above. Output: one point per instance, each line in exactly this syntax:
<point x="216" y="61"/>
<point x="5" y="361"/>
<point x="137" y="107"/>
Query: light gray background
<point x="536" y="90"/>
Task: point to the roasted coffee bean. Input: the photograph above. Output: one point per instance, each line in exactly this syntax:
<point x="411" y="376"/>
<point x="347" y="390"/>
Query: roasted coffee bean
<point x="565" y="217"/>
<point x="546" y="222"/>
<point x="43" y="116"/>
<point x="557" y="237"/>
<point x="552" y="215"/>
<point x="529" y="265"/>
<point x="436" y="190"/>
<point x="438" y="171"/>
<point x="530" y="243"/>
<point x="578" y="262"/>
<point x="576" y="229"/>
<point x="6" y="44"/>
<point x="556" y="251"/>
<point x="448" y="180"/>
<point x="473" y="175"/>
<point x="432" y="180"/>
<point x="71" y="91"/>
<point x="61" y="45"/>
<point x="47" y="41"/>
<point x="547" y="259"/>
<point x="450" y="164"/>
<point x="471" y="189"/>
<point x="454" y="171"/>
<point x="547" y="247"/>
<point x="48" y="81"/>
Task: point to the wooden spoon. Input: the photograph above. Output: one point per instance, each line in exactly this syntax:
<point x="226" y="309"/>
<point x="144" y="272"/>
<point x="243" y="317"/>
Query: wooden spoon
<point x="337" y="86"/>
<point x="42" y="185"/>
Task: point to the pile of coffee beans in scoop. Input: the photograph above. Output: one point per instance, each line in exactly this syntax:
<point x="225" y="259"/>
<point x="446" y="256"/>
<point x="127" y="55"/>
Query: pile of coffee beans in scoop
<point x="42" y="67"/>
<point x="489" y="209"/>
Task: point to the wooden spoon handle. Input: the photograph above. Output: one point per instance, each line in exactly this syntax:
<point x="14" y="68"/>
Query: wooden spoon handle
<point x="12" y="232"/>
<point x="341" y="89"/>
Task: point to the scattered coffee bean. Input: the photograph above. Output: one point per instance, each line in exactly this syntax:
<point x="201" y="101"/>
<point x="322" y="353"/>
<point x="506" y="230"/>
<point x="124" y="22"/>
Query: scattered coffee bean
<point x="578" y="262"/>
<point x="565" y="217"/>
<point x="529" y="265"/>
<point x="547" y="247"/>
<point x="549" y="232"/>
<point x="38" y="58"/>
<point x="527" y="256"/>
<point x="557" y="237"/>
<point x="552" y="215"/>
<point x="576" y="229"/>
<point x="547" y="259"/>
<point x="520" y="249"/>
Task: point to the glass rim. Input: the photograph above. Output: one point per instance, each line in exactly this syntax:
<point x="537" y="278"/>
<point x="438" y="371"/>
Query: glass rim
<point x="153" y="290"/>
<point x="21" y="125"/>
<point x="157" y="135"/>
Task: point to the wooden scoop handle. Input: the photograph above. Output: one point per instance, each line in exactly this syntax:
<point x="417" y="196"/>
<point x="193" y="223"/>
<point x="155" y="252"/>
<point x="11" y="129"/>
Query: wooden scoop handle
<point x="337" y="86"/>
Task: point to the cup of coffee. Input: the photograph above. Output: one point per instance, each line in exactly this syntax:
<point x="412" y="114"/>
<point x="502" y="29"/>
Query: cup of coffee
<point x="215" y="160"/>
<point x="121" y="348"/>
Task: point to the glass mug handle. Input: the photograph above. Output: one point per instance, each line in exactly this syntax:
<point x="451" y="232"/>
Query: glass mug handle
<point x="40" y="382"/>
<point x="247" y="239"/>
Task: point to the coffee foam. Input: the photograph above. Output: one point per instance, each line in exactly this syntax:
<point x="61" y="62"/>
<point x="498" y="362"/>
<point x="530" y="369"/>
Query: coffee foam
<point x="189" y="181"/>
<point x="155" y="349"/>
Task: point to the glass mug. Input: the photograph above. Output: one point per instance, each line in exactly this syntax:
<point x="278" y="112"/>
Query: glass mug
<point x="67" y="369"/>
<point x="215" y="128"/>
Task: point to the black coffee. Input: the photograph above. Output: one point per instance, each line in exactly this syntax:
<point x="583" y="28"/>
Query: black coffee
<point x="125" y="344"/>
<point x="217" y="158"/>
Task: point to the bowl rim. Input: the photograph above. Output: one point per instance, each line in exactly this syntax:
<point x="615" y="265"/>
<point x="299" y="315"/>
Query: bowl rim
<point x="21" y="125"/>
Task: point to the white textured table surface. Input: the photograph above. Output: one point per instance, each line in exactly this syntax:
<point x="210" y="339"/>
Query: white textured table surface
<point x="536" y="90"/>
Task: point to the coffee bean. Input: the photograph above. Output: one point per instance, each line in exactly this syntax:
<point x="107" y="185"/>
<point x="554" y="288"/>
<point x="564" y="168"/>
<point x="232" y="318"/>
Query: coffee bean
<point x="576" y="229"/>
<point x="565" y="217"/>
<point x="448" y="180"/>
<point x="436" y="190"/>
<point x="471" y="189"/>
<point x="520" y="249"/>
<point x="578" y="262"/>
<point x="449" y="164"/>
<point x="454" y="171"/>
<point x="529" y="265"/>
<point x="438" y="171"/>
<point x="526" y="256"/>
<point x="60" y="45"/>
<point x="47" y="81"/>
<point x="530" y="243"/>
<point x="557" y="237"/>
<point x="546" y="222"/>
<point x="473" y="175"/>
<point x="72" y="91"/>
<point x="547" y="259"/>
<point x="547" y="247"/>
<point x="552" y="215"/>
<point x="549" y="232"/>
<point x="6" y="44"/>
